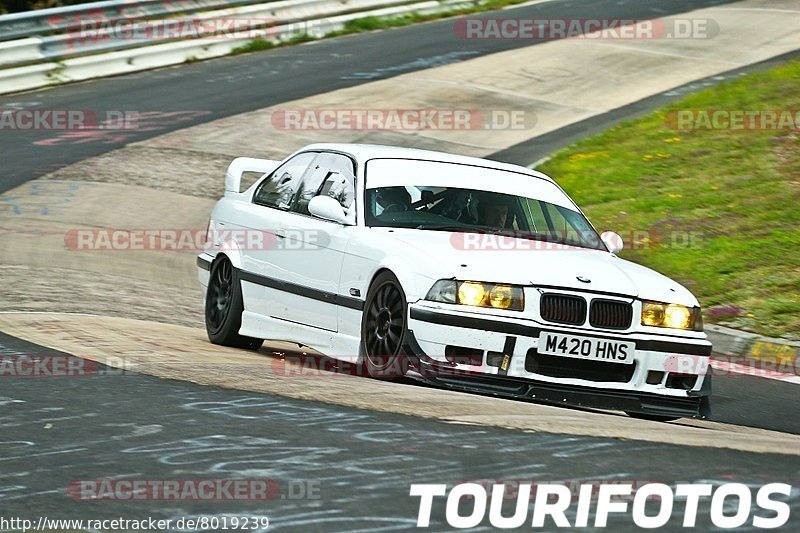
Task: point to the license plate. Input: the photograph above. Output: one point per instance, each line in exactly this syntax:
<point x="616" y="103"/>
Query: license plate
<point x="590" y="348"/>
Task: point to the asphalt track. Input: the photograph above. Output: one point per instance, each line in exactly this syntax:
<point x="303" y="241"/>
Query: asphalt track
<point x="363" y="462"/>
<point x="228" y="86"/>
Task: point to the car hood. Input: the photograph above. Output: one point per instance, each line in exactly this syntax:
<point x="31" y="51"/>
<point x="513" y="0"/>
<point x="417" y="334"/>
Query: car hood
<point x="527" y="262"/>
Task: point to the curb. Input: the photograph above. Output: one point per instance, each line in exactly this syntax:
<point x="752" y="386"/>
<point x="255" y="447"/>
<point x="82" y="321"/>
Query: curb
<point x="732" y="342"/>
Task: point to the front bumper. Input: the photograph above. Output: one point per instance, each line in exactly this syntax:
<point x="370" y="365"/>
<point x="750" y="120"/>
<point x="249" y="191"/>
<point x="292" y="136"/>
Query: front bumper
<point x="432" y="332"/>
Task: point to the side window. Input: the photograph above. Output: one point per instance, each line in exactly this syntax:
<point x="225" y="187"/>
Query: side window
<point x="279" y="188"/>
<point x="342" y="163"/>
<point x="561" y="224"/>
<point x="537" y="220"/>
<point x="321" y="180"/>
<point x="563" y="227"/>
<point x="341" y="185"/>
<point x="557" y="221"/>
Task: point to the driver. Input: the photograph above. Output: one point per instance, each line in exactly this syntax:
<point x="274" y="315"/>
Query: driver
<point x="493" y="211"/>
<point x="394" y="199"/>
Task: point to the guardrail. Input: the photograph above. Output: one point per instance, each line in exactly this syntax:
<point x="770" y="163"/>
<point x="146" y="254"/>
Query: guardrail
<point x="93" y="36"/>
<point x="57" y="47"/>
<point x="60" y="19"/>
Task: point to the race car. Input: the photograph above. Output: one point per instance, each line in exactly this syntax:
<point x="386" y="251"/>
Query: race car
<point x="464" y="272"/>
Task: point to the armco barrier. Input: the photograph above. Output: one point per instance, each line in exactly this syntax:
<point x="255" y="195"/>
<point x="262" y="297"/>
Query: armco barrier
<point x="29" y="77"/>
<point x="26" y="50"/>
<point x="321" y="12"/>
<point x="60" y="19"/>
<point x="79" y="41"/>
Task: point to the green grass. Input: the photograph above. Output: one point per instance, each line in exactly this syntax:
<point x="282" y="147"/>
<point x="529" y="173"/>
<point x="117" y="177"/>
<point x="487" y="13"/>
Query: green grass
<point x="379" y="23"/>
<point x="737" y="192"/>
<point x="262" y="44"/>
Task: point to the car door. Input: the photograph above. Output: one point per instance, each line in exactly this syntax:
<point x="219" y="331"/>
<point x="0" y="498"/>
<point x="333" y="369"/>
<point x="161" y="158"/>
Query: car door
<point x="312" y="249"/>
<point x="260" y="250"/>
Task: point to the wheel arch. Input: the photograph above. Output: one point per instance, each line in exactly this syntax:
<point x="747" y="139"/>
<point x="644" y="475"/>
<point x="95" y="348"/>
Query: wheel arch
<point x="392" y="363"/>
<point x="232" y="253"/>
<point x="225" y="329"/>
<point x="404" y="274"/>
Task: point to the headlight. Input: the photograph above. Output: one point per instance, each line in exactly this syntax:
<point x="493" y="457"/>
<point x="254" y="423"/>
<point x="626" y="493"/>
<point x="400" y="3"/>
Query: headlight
<point x="477" y="294"/>
<point x="470" y="293"/>
<point x="673" y="316"/>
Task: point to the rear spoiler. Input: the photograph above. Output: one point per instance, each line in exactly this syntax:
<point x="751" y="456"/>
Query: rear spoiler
<point x="240" y="165"/>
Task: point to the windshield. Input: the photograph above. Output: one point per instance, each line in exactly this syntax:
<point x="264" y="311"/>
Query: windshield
<point x="472" y="210"/>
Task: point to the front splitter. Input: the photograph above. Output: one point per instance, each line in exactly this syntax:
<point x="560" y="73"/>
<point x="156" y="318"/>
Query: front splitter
<point x="435" y="373"/>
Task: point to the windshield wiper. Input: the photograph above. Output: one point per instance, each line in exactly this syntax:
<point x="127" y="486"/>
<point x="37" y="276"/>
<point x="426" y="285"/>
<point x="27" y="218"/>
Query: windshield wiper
<point x="443" y="227"/>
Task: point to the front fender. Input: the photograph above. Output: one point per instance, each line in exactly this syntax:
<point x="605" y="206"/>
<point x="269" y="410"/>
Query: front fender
<point x="415" y="285"/>
<point x="230" y="248"/>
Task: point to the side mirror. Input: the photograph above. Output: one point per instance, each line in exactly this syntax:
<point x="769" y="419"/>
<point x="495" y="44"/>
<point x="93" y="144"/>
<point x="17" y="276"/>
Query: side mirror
<point x="328" y="208"/>
<point x="612" y="241"/>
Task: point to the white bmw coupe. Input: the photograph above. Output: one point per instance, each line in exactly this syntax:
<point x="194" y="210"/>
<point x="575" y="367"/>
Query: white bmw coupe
<point x="467" y="273"/>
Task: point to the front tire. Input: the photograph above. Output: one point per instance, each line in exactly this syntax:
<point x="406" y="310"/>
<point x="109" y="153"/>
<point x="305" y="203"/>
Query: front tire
<point x="224" y="307"/>
<point x="383" y="328"/>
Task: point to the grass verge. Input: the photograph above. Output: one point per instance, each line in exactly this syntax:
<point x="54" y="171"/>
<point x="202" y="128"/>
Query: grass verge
<point x="716" y="209"/>
<point x="263" y="44"/>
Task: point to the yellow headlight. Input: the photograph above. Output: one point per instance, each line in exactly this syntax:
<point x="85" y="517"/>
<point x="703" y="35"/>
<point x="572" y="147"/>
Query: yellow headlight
<point x="667" y="315"/>
<point x="652" y="314"/>
<point x="501" y="297"/>
<point x="477" y="294"/>
<point x="677" y="316"/>
<point x="471" y="293"/>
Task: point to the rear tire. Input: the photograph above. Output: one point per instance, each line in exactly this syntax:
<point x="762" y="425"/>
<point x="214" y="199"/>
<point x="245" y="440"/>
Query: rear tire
<point x="383" y="329"/>
<point x="224" y="307"/>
